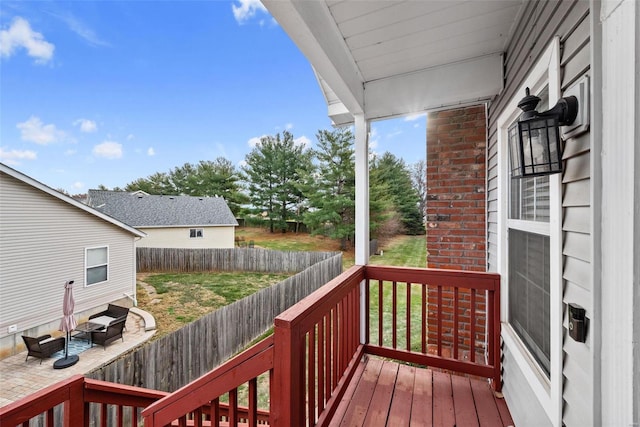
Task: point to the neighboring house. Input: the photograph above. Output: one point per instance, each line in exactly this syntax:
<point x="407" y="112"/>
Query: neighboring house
<point x="46" y="239"/>
<point x="571" y="238"/>
<point x="170" y="221"/>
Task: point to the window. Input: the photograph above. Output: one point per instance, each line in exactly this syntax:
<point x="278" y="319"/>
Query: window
<point x="196" y="233"/>
<point x="96" y="265"/>
<point x="529" y="260"/>
<point x="530" y="250"/>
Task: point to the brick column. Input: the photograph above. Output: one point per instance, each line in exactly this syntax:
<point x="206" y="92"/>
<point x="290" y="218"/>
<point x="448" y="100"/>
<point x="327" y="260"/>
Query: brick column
<point x="456" y="218"/>
<point x="456" y="214"/>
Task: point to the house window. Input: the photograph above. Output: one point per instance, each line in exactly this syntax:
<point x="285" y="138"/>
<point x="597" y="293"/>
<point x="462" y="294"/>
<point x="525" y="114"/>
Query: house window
<point x="529" y="260"/>
<point x="195" y="233"/>
<point x="96" y="265"/>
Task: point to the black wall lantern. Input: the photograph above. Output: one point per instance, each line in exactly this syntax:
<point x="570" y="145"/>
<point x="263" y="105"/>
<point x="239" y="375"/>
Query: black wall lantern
<point x="534" y="140"/>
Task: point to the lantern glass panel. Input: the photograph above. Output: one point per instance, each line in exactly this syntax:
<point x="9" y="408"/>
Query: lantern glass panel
<point x="541" y="150"/>
<point x="514" y="151"/>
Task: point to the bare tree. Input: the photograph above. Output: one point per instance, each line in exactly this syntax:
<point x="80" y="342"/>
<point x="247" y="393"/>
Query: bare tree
<point x="419" y="181"/>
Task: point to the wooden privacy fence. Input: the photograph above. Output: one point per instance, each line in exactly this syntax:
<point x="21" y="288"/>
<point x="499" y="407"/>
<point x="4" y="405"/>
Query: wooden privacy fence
<point x="175" y="360"/>
<point x="233" y="259"/>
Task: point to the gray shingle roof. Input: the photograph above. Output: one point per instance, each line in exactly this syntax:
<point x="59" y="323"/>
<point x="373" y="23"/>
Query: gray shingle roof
<point x="139" y="209"/>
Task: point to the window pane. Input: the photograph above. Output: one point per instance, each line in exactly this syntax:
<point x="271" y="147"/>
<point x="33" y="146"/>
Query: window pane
<point x="96" y="256"/>
<point x="529" y="298"/>
<point x="96" y="274"/>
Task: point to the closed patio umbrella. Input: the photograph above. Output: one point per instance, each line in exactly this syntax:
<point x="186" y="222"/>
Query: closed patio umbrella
<point x="67" y="324"/>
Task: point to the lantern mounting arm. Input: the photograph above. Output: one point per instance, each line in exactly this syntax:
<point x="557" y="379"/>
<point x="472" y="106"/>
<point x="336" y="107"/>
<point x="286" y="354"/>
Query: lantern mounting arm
<point x="566" y="109"/>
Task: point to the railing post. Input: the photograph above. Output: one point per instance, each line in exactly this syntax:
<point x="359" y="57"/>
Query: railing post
<point x="494" y="310"/>
<point x="287" y="404"/>
<point x="75" y="410"/>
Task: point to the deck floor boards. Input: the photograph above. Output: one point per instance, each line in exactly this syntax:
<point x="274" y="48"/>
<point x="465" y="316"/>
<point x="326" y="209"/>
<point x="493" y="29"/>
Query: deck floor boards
<point x="384" y="393"/>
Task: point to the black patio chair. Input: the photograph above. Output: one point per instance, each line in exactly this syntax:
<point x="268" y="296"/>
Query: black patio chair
<point x="43" y="347"/>
<point x="112" y="333"/>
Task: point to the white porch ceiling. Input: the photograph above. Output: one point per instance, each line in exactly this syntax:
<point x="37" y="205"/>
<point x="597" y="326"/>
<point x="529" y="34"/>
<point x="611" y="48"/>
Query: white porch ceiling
<point x="391" y="57"/>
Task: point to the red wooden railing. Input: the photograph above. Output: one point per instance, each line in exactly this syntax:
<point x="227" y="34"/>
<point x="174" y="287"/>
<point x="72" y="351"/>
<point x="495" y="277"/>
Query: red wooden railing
<point x="198" y="403"/>
<point x="317" y="350"/>
<point x="77" y="395"/>
<point x="461" y="308"/>
<point x="445" y="319"/>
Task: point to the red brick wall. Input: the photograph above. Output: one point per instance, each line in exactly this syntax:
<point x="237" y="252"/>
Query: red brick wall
<point x="456" y="214"/>
<point x="456" y="218"/>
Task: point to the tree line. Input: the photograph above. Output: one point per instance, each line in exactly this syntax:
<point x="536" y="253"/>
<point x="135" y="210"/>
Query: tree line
<point x="281" y="181"/>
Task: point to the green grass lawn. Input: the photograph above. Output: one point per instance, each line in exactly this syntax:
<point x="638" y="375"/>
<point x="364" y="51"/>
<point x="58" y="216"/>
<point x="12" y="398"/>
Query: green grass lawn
<point x="403" y="251"/>
<point x="183" y="298"/>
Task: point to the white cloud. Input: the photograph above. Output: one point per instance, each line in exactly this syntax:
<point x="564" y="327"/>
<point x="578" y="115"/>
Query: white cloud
<point x="373" y="139"/>
<point x="108" y="150"/>
<point x="303" y="140"/>
<point x="221" y="149"/>
<point x="151" y="151"/>
<point x="82" y="30"/>
<point x="34" y="130"/>
<point x="255" y="141"/>
<point x="412" y="117"/>
<point x="246" y="10"/>
<point x="86" y="125"/>
<point x="20" y="35"/>
<point x="13" y="157"/>
<point x="288" y="126"/>
<point x="78" y="185"/>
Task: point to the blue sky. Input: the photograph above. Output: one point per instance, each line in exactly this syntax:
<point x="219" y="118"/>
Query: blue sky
<point x="106" y="92"/>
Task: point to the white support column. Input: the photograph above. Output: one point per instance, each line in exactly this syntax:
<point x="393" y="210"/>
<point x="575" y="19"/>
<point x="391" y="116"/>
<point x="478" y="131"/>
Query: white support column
<point x="362" y="209"/>
<point x="620" y="213"/>
<point x="362" y="190"/>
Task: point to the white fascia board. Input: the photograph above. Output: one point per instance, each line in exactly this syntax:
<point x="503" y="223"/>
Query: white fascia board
<point x="339" y="115"/>
<point x="312" y="28"/>
<point x="446" y="86"/>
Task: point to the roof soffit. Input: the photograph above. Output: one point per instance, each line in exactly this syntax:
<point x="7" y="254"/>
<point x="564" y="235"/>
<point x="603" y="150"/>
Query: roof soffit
<point x="314" y="30"/>
<point x="404" y="54"/>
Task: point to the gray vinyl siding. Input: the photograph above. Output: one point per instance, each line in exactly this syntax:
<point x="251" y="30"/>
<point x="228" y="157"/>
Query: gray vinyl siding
<point x="540" y="22"/>
<point x="42" y="245"/>
<point x="534" y="415"/>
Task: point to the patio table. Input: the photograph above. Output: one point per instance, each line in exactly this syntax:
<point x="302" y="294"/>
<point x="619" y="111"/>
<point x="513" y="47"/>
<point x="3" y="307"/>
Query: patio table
<point x="85" y="329"/>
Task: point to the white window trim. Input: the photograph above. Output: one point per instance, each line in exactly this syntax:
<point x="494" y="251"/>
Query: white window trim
<point x="547" y="390"/>
<point x="86" y="282"/>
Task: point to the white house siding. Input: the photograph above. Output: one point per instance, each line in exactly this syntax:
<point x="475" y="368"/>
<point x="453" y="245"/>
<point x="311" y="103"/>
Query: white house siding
<point x="42" y="245"/>
<point x="540" y="22"/>
<point x="178" y="237"/>
<point x="534" y="415"/>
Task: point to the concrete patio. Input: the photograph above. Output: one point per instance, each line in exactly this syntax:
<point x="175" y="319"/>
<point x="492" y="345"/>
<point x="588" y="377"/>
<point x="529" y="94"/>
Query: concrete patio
<point x="20" y="378"/>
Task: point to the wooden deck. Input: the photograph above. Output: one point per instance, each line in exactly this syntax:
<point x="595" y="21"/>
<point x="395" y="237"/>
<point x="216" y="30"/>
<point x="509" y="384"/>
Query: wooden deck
<point x="319" y="371"/>
<point x="384" y="393"/>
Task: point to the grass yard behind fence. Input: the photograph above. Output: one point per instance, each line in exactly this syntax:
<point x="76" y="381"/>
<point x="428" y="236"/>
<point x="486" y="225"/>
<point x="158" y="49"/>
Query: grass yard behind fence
<point x="178" y="299"/>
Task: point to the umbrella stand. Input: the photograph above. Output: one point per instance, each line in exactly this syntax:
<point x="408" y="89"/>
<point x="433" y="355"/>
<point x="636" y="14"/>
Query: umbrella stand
<point x="67" y="324"/>
<point x="66" y="361"/>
